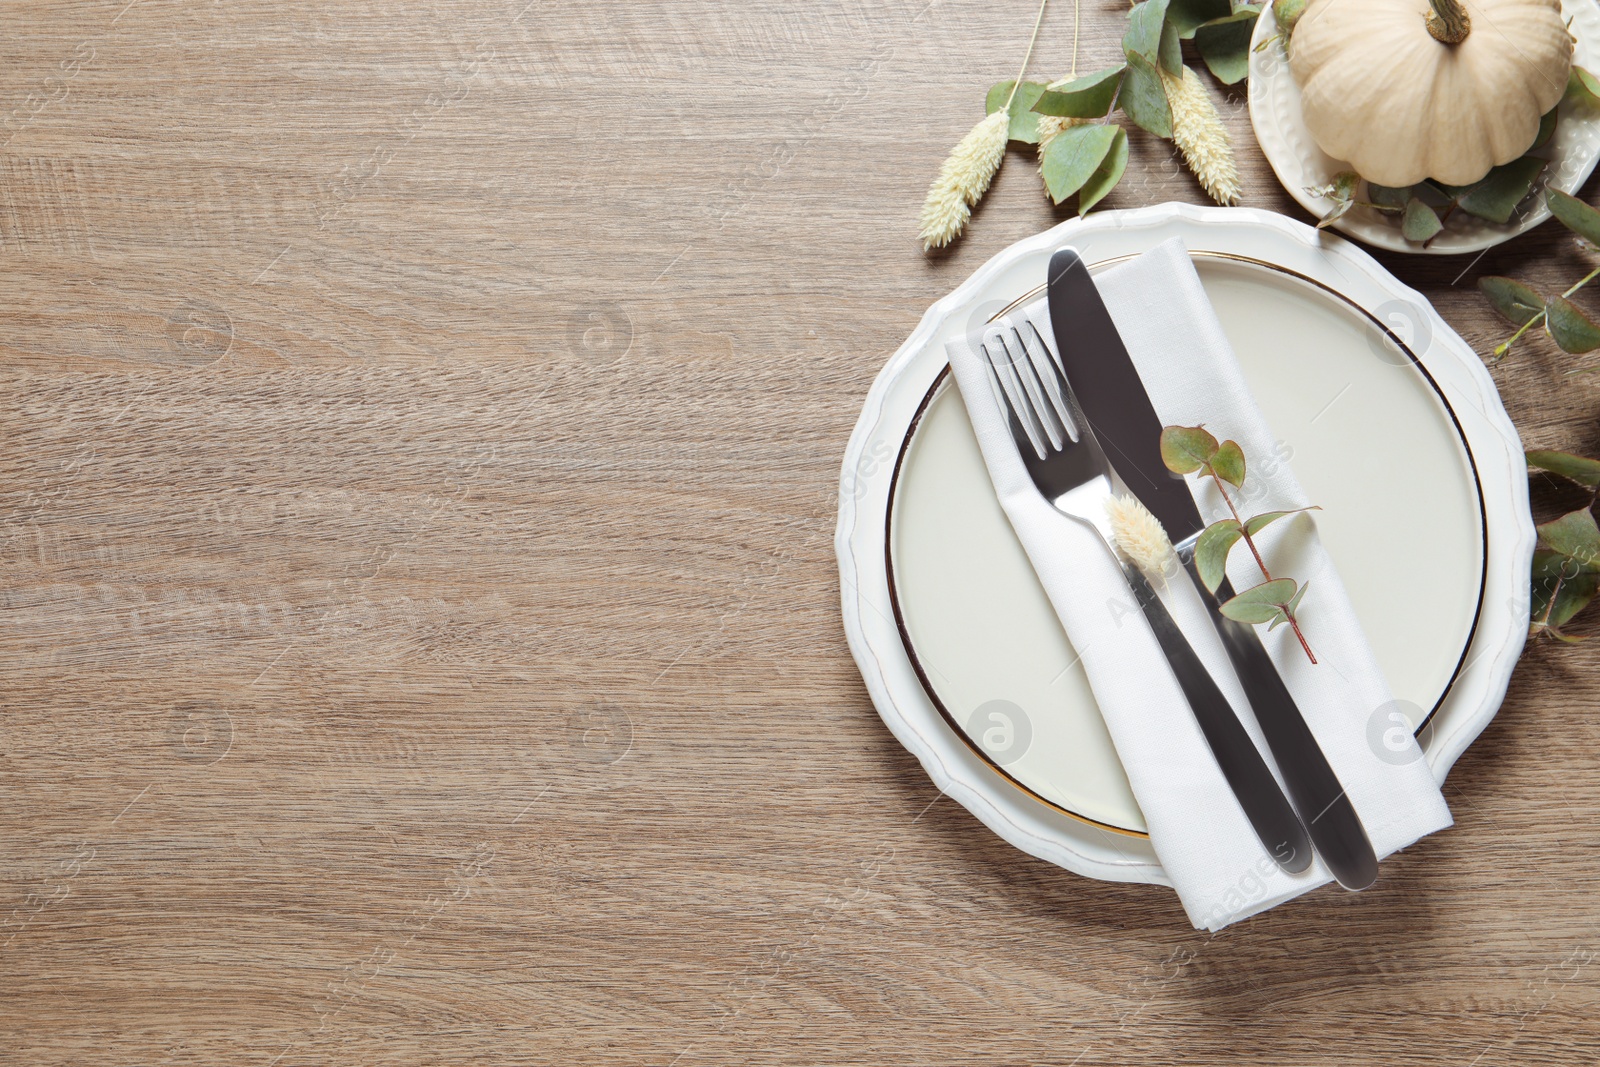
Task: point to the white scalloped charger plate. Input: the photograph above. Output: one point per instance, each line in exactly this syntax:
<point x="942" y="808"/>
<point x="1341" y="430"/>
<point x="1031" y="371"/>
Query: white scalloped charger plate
<point x="1300" y="164"/>
<point x="1390" y="420"/>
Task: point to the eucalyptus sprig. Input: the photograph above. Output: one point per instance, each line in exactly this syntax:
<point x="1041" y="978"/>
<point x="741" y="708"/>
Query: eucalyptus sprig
<point x="1156" y="91"/>
<point x="1424" y="208"/>
<point x="1286" y="13"/>
<point x="1083" y="150"/>
<point x="1566" y="560"/>
<point x="1567" y="325"/>
<point x="1194" y="450"/>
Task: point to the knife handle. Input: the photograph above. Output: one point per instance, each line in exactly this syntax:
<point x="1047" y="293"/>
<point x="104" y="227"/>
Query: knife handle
<point x="1335" y="827"/>
<point x="1247" y="774"/>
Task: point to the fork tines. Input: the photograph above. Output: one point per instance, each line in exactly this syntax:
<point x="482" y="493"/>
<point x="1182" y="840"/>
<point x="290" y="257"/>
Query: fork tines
<point x="1029" y="385"/>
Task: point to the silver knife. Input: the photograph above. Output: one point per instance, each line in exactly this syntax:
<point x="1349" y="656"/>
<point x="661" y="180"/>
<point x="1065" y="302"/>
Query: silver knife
<point x="1114" y="401"/>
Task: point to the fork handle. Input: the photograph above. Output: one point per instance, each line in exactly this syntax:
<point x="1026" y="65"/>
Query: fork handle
<point x="1241" y="764"/>
<point x="1335" y="827"/>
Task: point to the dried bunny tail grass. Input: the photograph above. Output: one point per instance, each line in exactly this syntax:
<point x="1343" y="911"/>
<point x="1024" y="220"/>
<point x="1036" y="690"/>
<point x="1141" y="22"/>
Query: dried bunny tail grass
<point x="1197" y="129"/>
<point x="1140" y="536"/>
<point x="963" y="180"/>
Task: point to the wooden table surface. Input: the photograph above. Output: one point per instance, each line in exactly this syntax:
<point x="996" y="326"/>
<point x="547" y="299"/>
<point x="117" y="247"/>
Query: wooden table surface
<point x="421" y="643"/>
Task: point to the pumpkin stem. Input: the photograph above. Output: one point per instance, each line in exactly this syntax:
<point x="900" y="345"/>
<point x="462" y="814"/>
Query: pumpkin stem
<point x="1448" y="21"/>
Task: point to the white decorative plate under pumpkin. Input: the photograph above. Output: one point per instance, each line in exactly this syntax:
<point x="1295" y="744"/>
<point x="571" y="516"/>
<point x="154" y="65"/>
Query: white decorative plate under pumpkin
<point x="1278" y="115"/>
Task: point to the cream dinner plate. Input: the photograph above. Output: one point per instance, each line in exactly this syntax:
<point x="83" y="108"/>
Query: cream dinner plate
<point x="1390" y="421"/>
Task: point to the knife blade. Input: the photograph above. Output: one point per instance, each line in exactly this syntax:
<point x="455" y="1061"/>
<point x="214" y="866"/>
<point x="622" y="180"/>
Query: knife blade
<point x="1114" y="401"/>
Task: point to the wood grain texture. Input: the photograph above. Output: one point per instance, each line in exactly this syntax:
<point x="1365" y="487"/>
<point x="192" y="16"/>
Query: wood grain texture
<point x="422" y="427"/>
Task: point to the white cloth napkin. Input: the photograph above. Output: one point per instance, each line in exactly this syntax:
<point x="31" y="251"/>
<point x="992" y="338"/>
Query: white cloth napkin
<point x="1206" y="845"/>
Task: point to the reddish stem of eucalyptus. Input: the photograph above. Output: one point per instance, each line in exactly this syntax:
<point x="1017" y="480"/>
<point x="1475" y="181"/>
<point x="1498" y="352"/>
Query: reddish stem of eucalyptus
<point x="1294" y="624"/>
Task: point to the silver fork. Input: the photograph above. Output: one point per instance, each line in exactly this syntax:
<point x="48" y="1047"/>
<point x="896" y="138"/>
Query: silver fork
<point x="1070" y="470"/>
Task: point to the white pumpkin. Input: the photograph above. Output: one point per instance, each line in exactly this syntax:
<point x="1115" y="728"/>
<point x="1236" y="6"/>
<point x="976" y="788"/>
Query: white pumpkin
<point x="1404" y="90"/>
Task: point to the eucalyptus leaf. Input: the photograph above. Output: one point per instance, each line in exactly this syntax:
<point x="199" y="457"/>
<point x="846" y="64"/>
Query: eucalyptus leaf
<point x="1256" y="523"/>
<point x="1586" y="472"/>
<point x="1228" y="463"/>
<point x="1569" y="327"/>
<point x="1170" y="53"/>
<point x="1087" y="97"/>
<point x="1433" y="194"/>
<point x="1389" y="199"/>
<point x="1143" y="37"/>
<point x="1515" y="302"/>
<point x="1287" y="13"/>
<point x="1419" y="223"/>
<point x="1186" y="15"/>
<point x="1289" y="608"/>
<point x="1107" y="174"/>
<point x="1558" y="591"/>
<point x="1144" y="98"/>
<point x="1583" y="87"/>
<point x="1343" y="186"/>
<point x="1211" y="550"/>
<point x="1225" y="44"/>
<point x="1294" y="602"/>
<point x="1496" y="195"/>
<point x="1261" y="603"/>
<point x="1547" y="130"/>
<point x="1342" y="191"/>
<point x="1574" y="214"/>
<point x="1024" y="122"/>
<point x="1575" y="536"/>
<point x="1074" y="156"/>
<point x="1341" y="208"/>
<point x="1186" y="449"/>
